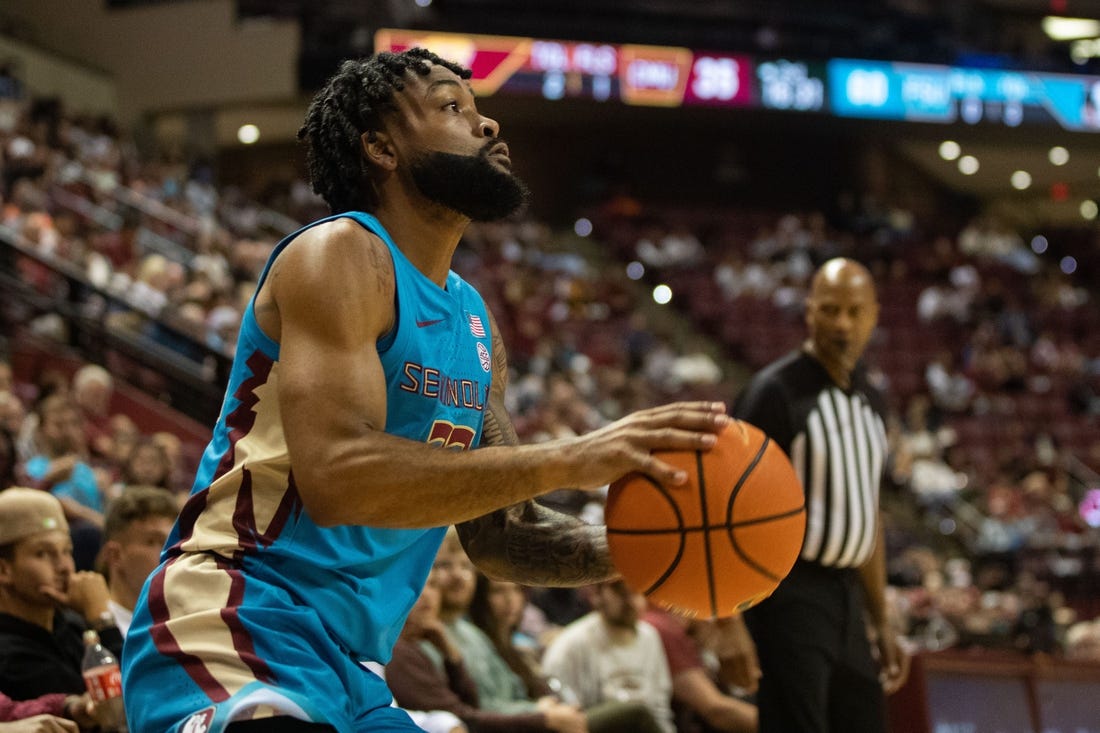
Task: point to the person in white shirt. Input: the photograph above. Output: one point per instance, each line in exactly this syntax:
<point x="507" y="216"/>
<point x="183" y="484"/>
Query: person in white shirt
<point x="135" y="528"/>
<point x="610" y="654"/>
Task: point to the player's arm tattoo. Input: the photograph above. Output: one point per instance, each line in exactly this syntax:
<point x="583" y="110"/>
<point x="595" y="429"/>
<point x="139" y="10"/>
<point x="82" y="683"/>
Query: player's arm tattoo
<point x="527" y="542"/>
<point x="531" y="544"/>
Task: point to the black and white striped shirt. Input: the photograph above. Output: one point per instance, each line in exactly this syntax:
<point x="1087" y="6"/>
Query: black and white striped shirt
<point x="836" y="440"/>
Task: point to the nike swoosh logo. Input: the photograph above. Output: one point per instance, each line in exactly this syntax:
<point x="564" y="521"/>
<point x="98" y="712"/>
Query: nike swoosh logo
<point x="424" y="324"/>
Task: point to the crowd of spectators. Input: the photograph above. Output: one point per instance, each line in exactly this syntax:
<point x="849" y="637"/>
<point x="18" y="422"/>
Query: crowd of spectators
<point x="987" y="351"/>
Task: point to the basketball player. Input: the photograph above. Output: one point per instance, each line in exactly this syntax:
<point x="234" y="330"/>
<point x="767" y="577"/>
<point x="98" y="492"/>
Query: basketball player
<point x="365" y="372"/>
<point x="818" y="672"/>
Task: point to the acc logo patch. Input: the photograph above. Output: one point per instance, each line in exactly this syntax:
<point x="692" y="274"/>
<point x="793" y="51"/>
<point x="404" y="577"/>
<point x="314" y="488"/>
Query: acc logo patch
<point x="199" y="722"/>
<point x="483" y="355"/>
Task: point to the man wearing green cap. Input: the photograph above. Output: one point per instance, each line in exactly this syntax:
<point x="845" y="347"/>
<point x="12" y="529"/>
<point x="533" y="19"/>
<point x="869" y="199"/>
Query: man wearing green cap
<point x="45" y="604"/>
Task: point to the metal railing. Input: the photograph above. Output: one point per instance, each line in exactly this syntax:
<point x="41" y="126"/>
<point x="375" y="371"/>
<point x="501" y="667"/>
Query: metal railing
<point x="191" y="379"/>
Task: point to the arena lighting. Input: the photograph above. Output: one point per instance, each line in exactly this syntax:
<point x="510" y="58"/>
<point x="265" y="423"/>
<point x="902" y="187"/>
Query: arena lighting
<point x="968" y="165"/>
<point x="248" y="134"/>
<point x="582" y="227"/>
<point x="662" y="294"/>
<point x="1068" y="265"/>
<point x="949" y="150"/>
<point x="1070" y="29"/>
<point x="1039" y="244"/>
<point x="1089" y="210"/>
<point x="635" y="270"/>
<point x="423" y="3"/>
<point x="1058" y="155"/>
<point x="1021" y="180"/>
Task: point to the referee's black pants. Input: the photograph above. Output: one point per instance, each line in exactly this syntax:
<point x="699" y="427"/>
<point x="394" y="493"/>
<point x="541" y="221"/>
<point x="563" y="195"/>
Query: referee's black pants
<point x="818" y="672"/>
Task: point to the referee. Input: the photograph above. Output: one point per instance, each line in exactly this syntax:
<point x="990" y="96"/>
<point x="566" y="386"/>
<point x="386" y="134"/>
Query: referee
<point x="818" y="672"/>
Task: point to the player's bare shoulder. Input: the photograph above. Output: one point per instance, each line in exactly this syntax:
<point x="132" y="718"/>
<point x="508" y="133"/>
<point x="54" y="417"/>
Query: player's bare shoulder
<point x="334" y="267"/>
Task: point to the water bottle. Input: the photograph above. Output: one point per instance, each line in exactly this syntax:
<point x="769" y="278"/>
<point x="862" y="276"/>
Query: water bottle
<point x="104" y="682"/>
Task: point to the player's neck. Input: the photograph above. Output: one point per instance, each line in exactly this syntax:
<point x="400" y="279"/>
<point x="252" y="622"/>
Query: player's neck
<point x="426" y="233"/>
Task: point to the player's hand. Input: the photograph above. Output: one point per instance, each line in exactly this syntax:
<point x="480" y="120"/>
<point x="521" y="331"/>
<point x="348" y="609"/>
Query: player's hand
<point x="626" y="445"/>
<point x="87" y="594"/>
<point x="40" y="724"/>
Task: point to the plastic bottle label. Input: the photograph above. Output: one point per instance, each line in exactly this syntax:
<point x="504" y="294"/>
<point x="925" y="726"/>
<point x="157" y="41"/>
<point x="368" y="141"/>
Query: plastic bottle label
<point x="103" y="682"/>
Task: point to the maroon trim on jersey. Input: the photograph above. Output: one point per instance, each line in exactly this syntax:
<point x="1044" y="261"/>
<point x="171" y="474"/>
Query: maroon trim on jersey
<point x="239" y="422"/>
<point x="244" y="514"/>
<point x="242" y="640"/>
<point x="290" y="504"/>
<point x="244" y="518"/>
<point x="189" y="515"/>
<point x="195" y="667"/>
<point x="167" y="645"/>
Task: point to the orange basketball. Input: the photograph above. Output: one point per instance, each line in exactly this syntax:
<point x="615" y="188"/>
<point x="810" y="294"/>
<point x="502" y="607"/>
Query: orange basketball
<point x="719" y="543"/>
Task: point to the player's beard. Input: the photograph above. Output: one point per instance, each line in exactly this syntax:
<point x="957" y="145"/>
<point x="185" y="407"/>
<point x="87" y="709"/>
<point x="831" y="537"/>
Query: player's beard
<point x="472" y="185"/>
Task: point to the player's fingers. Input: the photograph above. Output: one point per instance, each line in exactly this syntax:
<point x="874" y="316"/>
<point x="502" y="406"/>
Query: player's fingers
<point x="675" y="439"/>
<point x="690" y="415"/>
<point x="666" y="474"/>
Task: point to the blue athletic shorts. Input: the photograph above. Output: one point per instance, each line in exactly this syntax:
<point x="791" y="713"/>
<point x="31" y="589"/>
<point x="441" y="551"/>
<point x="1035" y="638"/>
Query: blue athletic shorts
<point x="214" y="645"/>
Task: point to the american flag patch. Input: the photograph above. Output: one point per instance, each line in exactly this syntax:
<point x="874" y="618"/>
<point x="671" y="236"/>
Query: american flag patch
<point x="476" y="328"/>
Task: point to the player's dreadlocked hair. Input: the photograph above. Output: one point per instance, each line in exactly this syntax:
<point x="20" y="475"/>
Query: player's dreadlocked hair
<point x="350" y="104"/>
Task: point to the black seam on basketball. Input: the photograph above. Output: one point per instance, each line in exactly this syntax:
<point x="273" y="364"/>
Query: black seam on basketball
<point x="729" y="514"/>
<point x="683" y="538"/>
<point x="711" y="528"/>
<point x="761" y="520"/>
<point x="702" y="481"/>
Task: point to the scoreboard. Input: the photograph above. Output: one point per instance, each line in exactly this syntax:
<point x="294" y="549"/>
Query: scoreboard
<point x="673" y="76"/>
<point x="666" y="76"/>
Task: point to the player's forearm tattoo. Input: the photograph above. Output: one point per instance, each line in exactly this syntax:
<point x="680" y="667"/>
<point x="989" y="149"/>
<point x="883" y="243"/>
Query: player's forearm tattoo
<point x="531" y="544"/>
<point x="558" y="549"/>
<point x="497" y="429"/>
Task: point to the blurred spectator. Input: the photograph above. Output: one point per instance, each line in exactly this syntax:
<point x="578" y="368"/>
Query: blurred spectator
<point x="136" y="527"/>
<point x="63" y="466"/>
<point x="497" y="609"/>
<point x="499" y="688"/>
<point x="179" y="478"/>
<point x="610" y="654"/>
<point x="427" y="672"/>
<point x="1083" y="641"/>
<point x="699" y="702"/>
<point x="676" y="248"/>
<point x="146" y="465"/>
<point x="124" y="436"/>
<point x="92" y="387"/>
<point x="12" y="415"/>
<point x="45" y="605"/>
<point x="950" y="389"/>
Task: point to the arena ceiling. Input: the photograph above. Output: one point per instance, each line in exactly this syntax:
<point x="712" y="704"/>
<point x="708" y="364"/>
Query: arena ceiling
<point x="934" y="31"/>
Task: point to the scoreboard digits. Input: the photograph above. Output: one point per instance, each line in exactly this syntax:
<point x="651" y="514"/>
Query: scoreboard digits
<point x="673" y="76"/>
